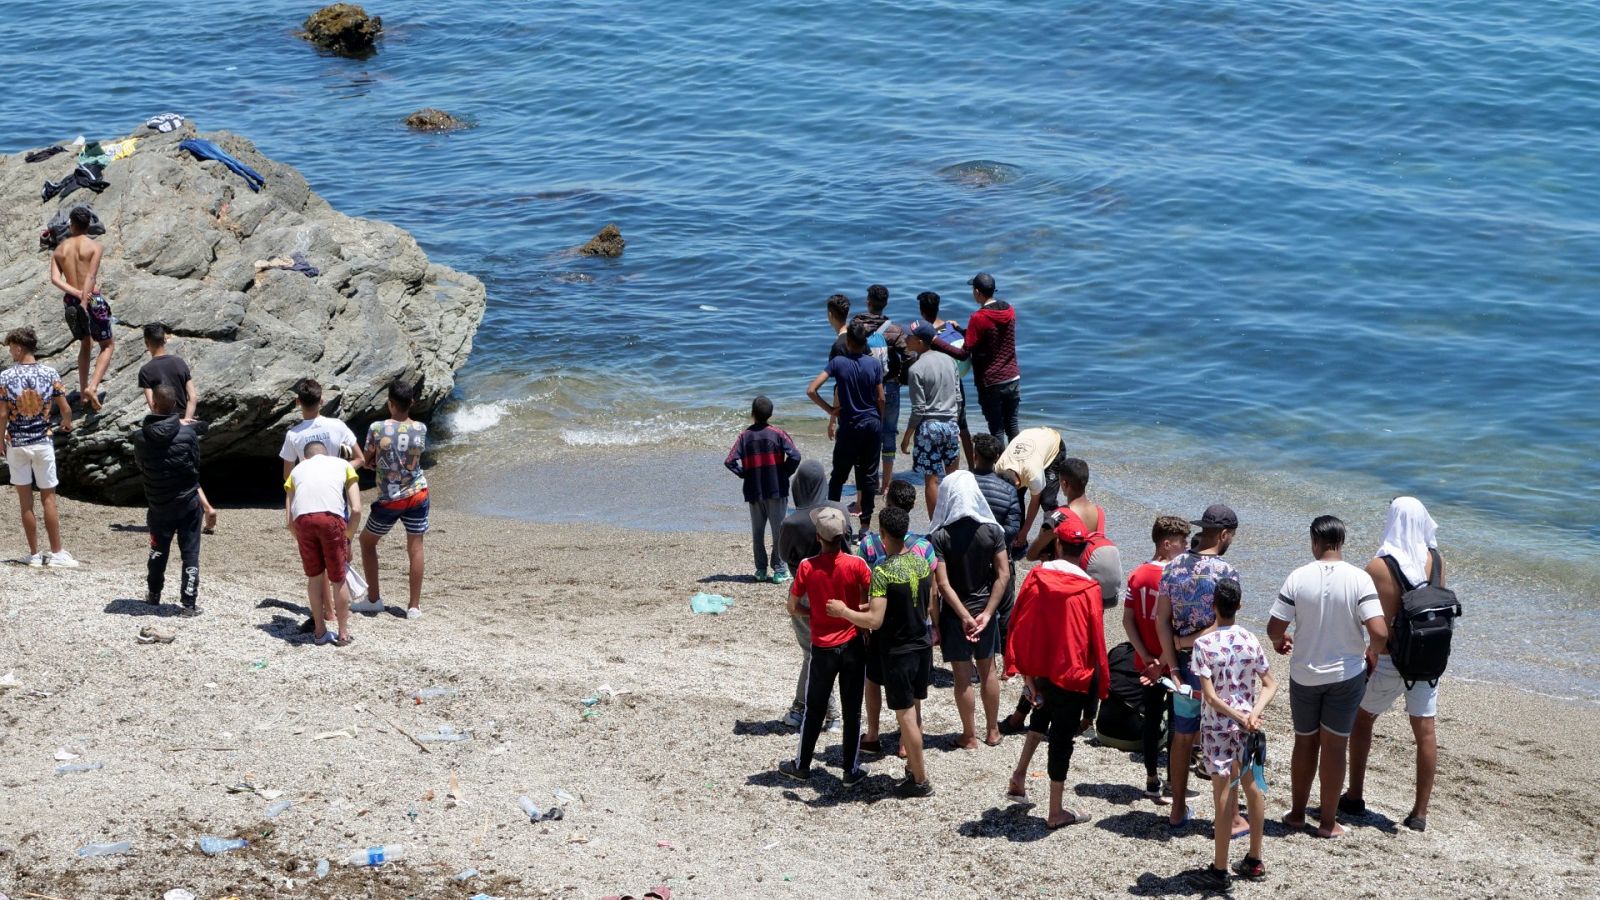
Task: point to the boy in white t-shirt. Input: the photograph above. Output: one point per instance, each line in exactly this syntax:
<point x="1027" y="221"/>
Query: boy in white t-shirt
<point x="1329" y="602"/>
<point x="314" y="426"/>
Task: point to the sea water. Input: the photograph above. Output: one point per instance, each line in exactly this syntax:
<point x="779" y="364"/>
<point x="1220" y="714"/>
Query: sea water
<point x="1299" y="256"/>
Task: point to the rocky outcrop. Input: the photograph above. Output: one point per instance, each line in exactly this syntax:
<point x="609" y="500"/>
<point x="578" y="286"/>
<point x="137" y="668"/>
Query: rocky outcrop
<point x="344" y="28"/>
<point x="181" y="244"/>
<point x="608" y="242"/>
<point x="431" y="119"/>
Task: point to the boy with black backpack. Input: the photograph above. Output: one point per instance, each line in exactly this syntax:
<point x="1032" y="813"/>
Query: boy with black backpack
<point x="1409" y="574"/>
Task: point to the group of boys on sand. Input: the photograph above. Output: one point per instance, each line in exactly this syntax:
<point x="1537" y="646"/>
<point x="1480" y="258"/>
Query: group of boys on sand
<point x="869" y="607"/>
<point x="320" y="455"/>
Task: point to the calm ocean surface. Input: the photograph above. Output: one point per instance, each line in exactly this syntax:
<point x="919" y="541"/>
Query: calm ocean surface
<point x="1321" y="252"/>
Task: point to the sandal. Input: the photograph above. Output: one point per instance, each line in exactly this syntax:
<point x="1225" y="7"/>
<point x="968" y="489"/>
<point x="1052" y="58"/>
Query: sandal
<point x="345" y="640"/>
<point x="1073" y="819"/>
<point x="874" y="746"/>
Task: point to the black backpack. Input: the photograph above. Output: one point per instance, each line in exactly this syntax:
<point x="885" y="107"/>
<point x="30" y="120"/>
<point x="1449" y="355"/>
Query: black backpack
<point x="1419" y="636"/>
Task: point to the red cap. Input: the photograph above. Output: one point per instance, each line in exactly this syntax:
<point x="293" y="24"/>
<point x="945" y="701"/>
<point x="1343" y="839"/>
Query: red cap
<point x="1071" y="530"/>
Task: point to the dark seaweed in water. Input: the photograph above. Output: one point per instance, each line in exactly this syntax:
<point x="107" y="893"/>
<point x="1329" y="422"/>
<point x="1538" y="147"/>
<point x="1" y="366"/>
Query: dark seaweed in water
<point x="981" y="173"/>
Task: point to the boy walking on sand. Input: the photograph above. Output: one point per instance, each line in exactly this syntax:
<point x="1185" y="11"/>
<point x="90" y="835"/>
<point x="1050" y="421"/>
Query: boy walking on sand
<point x="764" y="456"/>
<point x="322" y="491"/>
<point x="75" y="272"/>
<point x="900" y="654"/>
<point x="27" y="390"/>
<point x="394" y="448"/>
<point x="838" y="649"/>
<point x="1229" y="661"/>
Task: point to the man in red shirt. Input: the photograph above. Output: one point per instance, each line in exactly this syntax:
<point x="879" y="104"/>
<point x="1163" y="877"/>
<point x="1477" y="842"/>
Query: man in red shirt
<point x="838" y="649"/>
<point x="1170" y="534"/>
<point x="1058" y="643"/>
<point x="991" y="344"/>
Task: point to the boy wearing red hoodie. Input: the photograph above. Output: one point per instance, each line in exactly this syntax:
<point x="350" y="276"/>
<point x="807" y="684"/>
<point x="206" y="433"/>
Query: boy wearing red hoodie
<point x="1057" y="642"/>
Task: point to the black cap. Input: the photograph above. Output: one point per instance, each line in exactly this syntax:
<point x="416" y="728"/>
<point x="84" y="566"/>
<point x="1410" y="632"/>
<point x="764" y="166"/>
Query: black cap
<point x="984" y="282"/>
<point x="1217" y="516"/>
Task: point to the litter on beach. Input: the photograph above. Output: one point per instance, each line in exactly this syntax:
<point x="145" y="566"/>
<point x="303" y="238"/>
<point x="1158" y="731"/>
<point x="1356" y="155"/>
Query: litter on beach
<point x="709" y="604"/>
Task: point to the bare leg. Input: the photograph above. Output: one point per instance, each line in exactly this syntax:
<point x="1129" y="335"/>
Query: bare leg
<point x="930" y="492"/>
<point x="1332" y="776"/>
<point x="83" y="369"/>
<point x="209" y="510"/>
<point x="991" y="699"/>
<point x="1226" y="796"/>
<point x="52" y="519"/>
<point x="1302" y="769"/>
<point x="1427" y="762"/>
<point x="369" y="564"/>
<point x="414" y="551"/>
<point x="341" y="607"/>
<point x="101" y="364"/>
<point x="1058" y="809"/>
<point x="30" y="525"/>
<point x="874" y="699"/>
<point x="1019" y="776"/>
<point x="1178" y="774"/>
<point x="966" y="446"/>
<point x="911" y="742"/>
<point x="1360" y="749"/>
<point x="316" y="598"/>
<point x="1256" y="801"/>
<point x="965" y="703"/>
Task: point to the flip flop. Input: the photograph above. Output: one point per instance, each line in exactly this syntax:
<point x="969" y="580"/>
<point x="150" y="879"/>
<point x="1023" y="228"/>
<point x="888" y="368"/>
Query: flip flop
<point x="1243" y="832"/>
<point x="874" y="747"/>
<point x="1174" y="826"/>
<point x="1076" y="819"/>
<point x="989" y="743"/>
<point x="661" y="892"/>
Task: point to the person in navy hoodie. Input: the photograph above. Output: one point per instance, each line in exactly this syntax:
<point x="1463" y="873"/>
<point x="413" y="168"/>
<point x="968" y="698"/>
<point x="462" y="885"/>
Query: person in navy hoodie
<point x="764" y="456"/>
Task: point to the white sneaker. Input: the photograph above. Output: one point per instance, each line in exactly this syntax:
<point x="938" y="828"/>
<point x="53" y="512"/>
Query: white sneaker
<point x="62" y="560"/>
<point x="33" y="562"/>
<point x="374" y="606"/>
<point x="833" y="726"/>
<point x="795" y="718"/>
<point x="414" y="612"/>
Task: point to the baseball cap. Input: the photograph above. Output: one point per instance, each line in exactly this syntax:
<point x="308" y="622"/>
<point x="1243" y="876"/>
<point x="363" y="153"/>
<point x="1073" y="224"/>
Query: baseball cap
<point x="984" y="282"/>
<point x="1071" y="530"/>
<point x="1216" y="516"/>
<point x="923" y="330"/>
<point x="830" y="523"/>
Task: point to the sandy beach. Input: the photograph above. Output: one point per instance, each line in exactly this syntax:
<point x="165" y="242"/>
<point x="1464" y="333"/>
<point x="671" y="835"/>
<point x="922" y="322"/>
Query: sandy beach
<point x="671" y="781"/>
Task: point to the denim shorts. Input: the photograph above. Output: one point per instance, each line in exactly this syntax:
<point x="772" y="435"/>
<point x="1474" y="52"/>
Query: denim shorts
<point x="1186" y="712"/>
<point x="381" y="518"/>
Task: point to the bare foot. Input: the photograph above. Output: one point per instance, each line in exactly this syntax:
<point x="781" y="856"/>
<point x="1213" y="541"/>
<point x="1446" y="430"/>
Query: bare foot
<point x="967" y="742"/>
<point x="211" y="521"/>
<point x="1017" y="789"/>
<point x="91" y="399"/>
<point x="1294" y="821"/>
<point x="1337" y="831"/>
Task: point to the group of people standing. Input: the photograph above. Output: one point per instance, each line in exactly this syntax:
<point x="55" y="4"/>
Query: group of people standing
<point x="320" y="455"/>
<point x="869" y="607"/>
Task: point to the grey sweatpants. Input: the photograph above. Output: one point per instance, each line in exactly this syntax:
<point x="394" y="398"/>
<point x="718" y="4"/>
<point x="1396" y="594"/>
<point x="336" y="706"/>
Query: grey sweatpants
<point x="802" y="635"/>
<point x="766" y="516"/>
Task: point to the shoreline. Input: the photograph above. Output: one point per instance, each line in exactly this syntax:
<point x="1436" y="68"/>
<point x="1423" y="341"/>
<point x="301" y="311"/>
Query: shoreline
<point x="672" y="781"/>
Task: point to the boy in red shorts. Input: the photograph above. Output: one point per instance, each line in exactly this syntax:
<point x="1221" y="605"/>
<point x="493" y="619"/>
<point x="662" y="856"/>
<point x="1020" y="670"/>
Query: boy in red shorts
<point x="323" y="512"/>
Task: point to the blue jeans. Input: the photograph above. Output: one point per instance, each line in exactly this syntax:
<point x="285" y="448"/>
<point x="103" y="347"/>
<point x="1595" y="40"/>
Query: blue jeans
<point x="1000" y="403"/>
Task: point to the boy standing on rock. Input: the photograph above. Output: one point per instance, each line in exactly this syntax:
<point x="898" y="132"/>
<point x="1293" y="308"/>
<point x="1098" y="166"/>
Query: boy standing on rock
<point x="75" y="271"/>
<point x="26" y="392"/>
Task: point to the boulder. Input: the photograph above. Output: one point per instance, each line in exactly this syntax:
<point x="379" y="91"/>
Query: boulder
<point x="608" y="242"/>
<point x="344" y="28"/>
<point x="430" y="119"/>
<point x="181" y="244"/>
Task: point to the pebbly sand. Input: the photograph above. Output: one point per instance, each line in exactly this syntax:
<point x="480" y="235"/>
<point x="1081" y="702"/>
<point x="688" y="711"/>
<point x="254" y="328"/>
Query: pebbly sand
<point x="673" y="780"/>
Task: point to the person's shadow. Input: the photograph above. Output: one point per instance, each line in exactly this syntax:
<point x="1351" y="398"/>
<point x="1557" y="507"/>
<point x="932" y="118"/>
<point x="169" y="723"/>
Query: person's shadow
<point x="1188" y="883"/>
<point x="743" y="728"/>
<point x="730" y="579"/>
<point x="285" y="628"/>
<point x="1013" y="823"/>
<point x="128" y="606"/>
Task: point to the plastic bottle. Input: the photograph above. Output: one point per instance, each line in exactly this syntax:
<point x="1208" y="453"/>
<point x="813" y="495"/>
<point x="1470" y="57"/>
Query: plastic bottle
<point x="433" y="693"/>
<point x="278" y="809"/>
<point x="69" y="768"/>
<point x="322" y="868"/>
<point x="88" y="850"/>
<point x="527" y="806"/>
<point x="465" y="875"/>
<point x="445" y="735"/>
<point x="376" y="856"/>
<point x="215" y="846"/>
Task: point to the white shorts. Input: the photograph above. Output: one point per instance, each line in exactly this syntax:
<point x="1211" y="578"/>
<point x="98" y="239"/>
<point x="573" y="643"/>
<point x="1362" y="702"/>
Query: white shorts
<point x="34" y="464"/>
<point x="1386" y="686"/>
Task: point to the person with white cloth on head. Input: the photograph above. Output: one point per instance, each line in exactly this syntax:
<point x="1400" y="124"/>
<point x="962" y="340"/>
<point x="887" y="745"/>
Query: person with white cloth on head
<point x="972" y="550"/>
<point x="1410" y="539"/>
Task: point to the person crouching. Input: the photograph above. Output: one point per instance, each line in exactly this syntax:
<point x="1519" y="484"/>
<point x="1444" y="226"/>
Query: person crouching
<point x="323" y="512"/>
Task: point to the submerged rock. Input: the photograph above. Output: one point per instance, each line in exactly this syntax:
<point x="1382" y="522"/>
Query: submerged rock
<point x="431" y="119"/>
<point x="608" y="242"/>
<point x="980" y="173"/>
<point x="182" y="237"/>
<point x="344" y="28"/>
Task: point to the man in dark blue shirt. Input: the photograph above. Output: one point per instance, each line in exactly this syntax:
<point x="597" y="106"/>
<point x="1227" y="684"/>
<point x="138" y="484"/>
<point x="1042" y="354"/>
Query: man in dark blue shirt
<point x="857" y="419"/>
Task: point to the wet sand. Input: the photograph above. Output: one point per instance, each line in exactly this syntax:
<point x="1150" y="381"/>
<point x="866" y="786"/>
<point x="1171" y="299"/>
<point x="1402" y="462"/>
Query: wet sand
<point x="672" y="782"/>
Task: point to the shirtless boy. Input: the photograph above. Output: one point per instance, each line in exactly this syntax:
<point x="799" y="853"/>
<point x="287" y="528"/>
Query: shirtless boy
<point x="75" y="271"/>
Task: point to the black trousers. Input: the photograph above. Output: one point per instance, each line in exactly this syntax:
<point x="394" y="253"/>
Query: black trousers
<point x="1000" y="404"/>
<point x="1156" y="704"/>
<point x="1063" y="711"/>
<point x="848" y="665"/>
<point x="858" y="450"/>
<point x="181" y="520"/>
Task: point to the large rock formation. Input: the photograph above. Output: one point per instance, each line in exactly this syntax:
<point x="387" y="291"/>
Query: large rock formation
<point x="344" y="28"/>
<point x="182" y="240"/>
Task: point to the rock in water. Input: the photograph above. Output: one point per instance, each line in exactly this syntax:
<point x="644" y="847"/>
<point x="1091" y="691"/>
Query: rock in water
<point x="608" y="242"/>
<point x="430" y="119"/>
<point x="344" y="28"/>
<point x="980" y="173"/>
<point x="182" y="237"/>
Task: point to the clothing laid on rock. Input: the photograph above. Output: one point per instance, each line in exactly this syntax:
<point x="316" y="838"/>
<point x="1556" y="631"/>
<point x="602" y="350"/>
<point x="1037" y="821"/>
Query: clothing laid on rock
<point x="95" y="154"/>
<point x="164" y="122"/>
<point x="84" y="176"/>
<point x="203" y="149"/>
<point x="59" y="228"/>
<point x="46" y="153"/>
<point x="294" y="262"/>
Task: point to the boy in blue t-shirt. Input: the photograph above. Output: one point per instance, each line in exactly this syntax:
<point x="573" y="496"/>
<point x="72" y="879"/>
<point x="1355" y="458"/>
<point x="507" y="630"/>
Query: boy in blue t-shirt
<point x="856" y="422"/>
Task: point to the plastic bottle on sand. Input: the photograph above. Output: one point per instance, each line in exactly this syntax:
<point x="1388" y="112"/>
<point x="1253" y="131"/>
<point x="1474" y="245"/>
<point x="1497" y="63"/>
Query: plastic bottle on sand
<point x="376" y="856"/>
<point x="88" y="850"/>
<point x="215" y="846"/>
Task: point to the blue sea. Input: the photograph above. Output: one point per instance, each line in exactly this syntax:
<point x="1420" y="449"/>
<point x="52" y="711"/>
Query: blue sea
<point x="1304" y="256"/>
